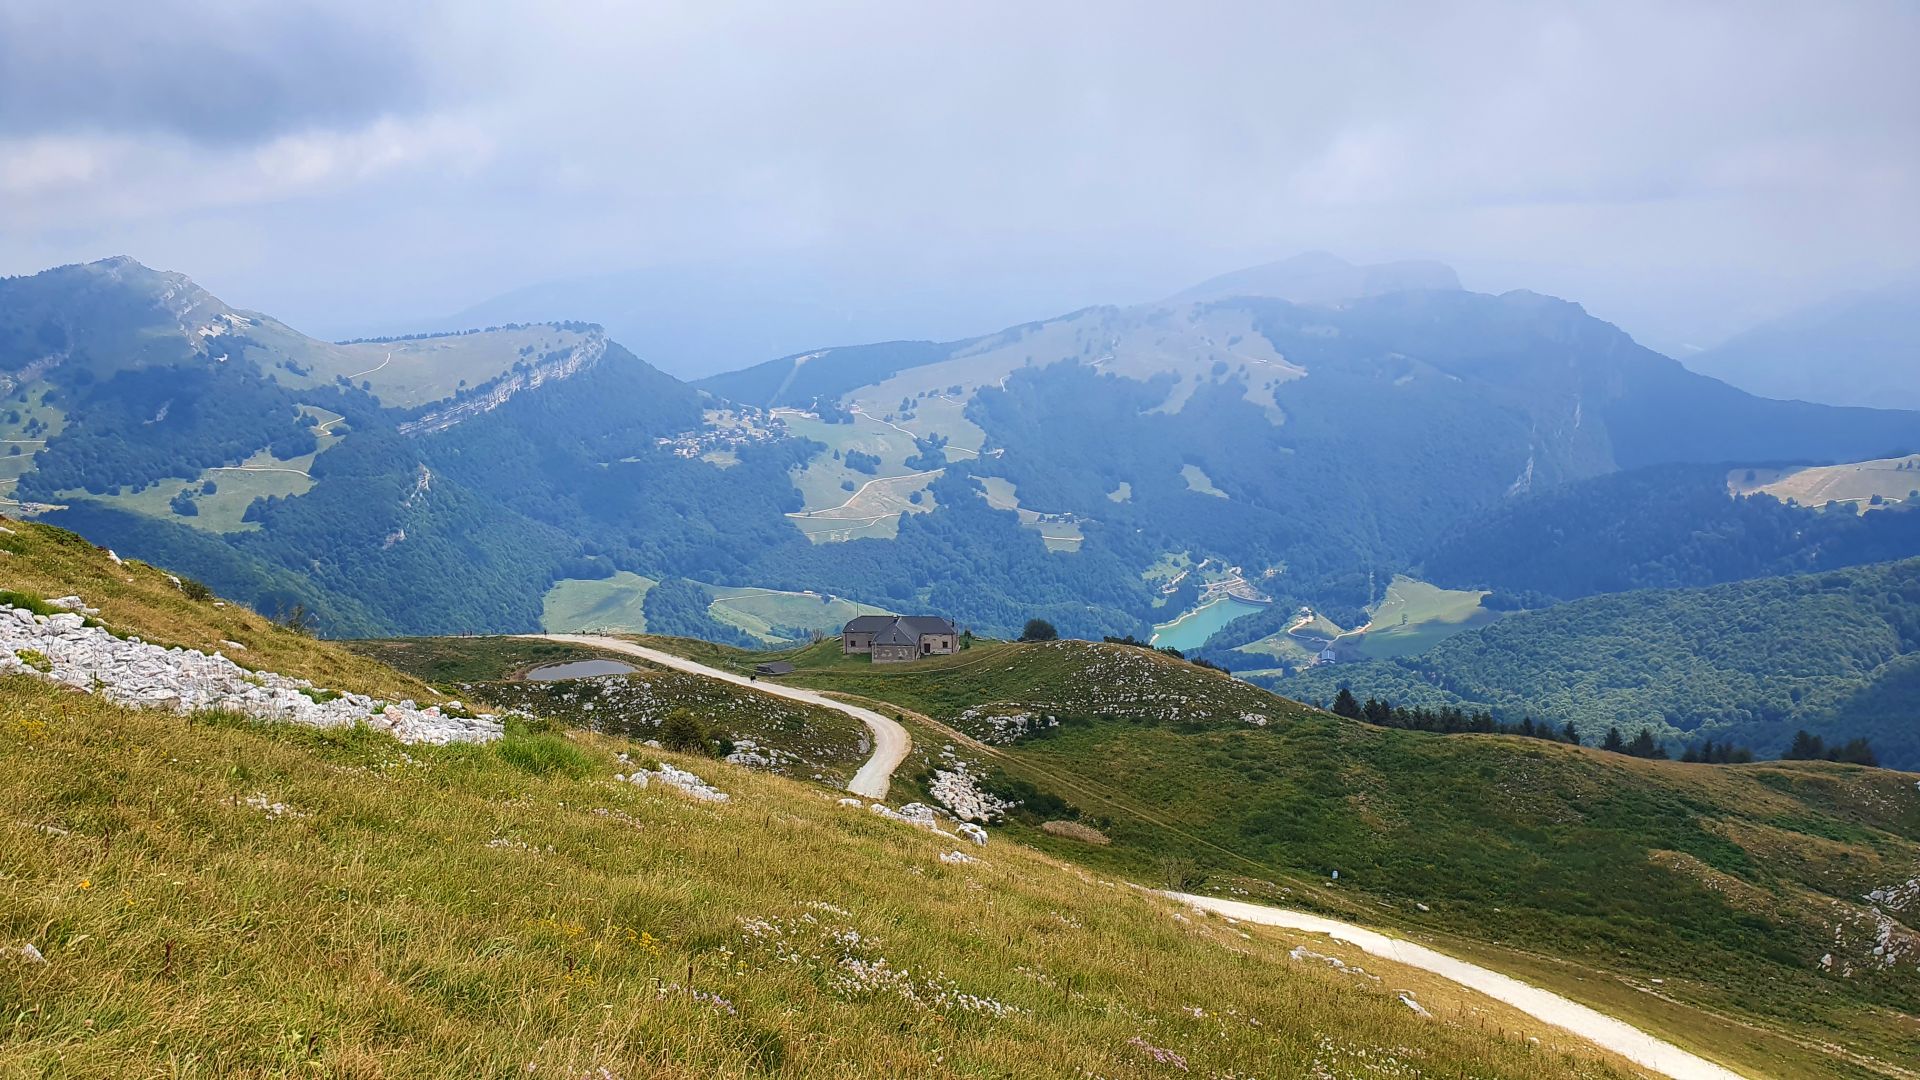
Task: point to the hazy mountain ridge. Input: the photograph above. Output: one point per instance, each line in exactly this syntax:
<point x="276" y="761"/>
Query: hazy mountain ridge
<point x="1861" y="348"/>
<point x="1319" y="278"/>
<point x="1322" y="448"/>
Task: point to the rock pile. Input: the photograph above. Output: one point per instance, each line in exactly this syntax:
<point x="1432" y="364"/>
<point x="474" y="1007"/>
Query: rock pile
<point x="131" y="672"/>
<point x="752" y="755"/>
<point x="686" y="782"/>
<point x="922" y="816"/>
<point x="956" y="788"/>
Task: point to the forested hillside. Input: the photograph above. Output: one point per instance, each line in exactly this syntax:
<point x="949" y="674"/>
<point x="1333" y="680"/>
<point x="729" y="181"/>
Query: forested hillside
<point x="1074" y="469"/>
<point x="1663" y="527"/>
<point x="1749" y="662"/>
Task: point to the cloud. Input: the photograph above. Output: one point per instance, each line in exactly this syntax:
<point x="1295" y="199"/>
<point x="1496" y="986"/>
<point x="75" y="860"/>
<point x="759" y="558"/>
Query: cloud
<point x="109" y="179"/>
<point x="1662" y="162"/>
<point x="216" y="71"/>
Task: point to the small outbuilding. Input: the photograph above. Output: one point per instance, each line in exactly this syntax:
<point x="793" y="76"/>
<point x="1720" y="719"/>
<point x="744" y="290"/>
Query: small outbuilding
<point x="773" y="667"/>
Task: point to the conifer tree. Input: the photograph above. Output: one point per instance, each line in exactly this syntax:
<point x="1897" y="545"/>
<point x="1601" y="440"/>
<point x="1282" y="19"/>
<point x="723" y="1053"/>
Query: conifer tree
<point x="1345" y="705"/>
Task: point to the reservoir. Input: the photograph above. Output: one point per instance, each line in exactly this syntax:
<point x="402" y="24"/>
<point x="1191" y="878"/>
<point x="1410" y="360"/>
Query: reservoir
<point x="578" y="669"/>
<point x="1192" y="629"/>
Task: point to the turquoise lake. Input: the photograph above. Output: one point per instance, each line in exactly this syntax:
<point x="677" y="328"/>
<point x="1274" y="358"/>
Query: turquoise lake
<point x="1191" y="630"/>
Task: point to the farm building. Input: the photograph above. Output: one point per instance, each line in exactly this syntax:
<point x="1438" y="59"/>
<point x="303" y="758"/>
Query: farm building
<point x="893" y="639"/>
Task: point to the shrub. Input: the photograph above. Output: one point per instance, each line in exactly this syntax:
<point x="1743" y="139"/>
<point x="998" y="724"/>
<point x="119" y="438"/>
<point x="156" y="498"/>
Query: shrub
<point x="1181" y="874"/>
<point x="1039" y="630"/>
<point x="682" y="731"/>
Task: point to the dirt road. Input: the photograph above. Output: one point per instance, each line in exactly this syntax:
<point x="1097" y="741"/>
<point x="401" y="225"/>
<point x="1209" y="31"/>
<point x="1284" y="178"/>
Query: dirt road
<point x="890" y="740"/>
<point x="1624" y="1039"/>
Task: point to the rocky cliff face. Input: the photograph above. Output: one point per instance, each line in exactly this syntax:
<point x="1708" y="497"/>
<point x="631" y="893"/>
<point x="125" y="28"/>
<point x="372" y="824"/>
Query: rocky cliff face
<point x="501" y="390"/>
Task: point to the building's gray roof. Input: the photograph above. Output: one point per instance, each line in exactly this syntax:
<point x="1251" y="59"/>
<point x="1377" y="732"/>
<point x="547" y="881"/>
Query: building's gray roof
<point x="914" y="627"/>
<point x="896" y="634"/>
<point x="922" y="625"/>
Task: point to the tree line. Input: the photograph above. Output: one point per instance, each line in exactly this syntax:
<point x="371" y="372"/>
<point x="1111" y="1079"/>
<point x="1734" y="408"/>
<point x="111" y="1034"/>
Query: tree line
<point x="1450" y="720"/>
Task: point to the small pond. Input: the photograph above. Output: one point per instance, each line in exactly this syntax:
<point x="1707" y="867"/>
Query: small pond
<point x="578" y="669"/>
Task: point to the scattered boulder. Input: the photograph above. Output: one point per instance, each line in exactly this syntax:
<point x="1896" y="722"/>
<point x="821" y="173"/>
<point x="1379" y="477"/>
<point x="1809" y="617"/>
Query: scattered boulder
<point x="679" y="779"/>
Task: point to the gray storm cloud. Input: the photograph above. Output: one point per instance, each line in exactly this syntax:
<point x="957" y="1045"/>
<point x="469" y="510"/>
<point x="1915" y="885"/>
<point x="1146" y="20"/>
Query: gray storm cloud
<point x="212" y="71"/>
<point x="1682" y="168"/>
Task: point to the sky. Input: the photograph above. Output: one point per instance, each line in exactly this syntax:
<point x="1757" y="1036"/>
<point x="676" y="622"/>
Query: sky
<point x="750" y="171"/>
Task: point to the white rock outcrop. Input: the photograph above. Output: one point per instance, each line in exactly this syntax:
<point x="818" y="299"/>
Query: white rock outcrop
<point x="686" y="782"/>
<point x="956" y="789"/>
<point x="134" y="673"/>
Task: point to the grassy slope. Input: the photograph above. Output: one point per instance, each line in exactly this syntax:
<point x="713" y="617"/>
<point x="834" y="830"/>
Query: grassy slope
<point x="1855" y="483"/>
<point x="47" y="562"/>
<point x="261" y="475"/>
<point x="506" y="910"/>
<point x="764" y="612"/>
<point x="582" y="603"/>
<point x="1726" y="883"/>
<point x="412" y="371"/>
<point x="815" y="743"/>
<point x="1415" y="616"/>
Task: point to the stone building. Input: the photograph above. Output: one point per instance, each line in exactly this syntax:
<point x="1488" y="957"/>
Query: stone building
<point x="893" y="639"/>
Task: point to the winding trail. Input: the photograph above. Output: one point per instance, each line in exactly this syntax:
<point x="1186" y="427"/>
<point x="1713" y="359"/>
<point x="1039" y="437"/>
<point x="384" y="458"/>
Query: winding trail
<point x="257" y="468"/>
<point x="890" y="740"/>
<point x="372" y="369"/>
<point x="1622" y="1038"/>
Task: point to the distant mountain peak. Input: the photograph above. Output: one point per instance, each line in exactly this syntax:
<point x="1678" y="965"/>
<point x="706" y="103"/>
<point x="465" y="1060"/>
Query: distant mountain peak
<point x="1319" y="277"/>
<point x="119" y="262"/>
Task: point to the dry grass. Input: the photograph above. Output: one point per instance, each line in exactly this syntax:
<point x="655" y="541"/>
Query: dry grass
<point x="1074" y="830"/>
<point x="437" y="912"/>
<point x="43" y="561"/>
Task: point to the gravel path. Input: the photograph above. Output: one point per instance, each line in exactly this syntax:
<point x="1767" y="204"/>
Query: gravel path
<point x="1624" y="1039"/>
<point x="890" y="740"/>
